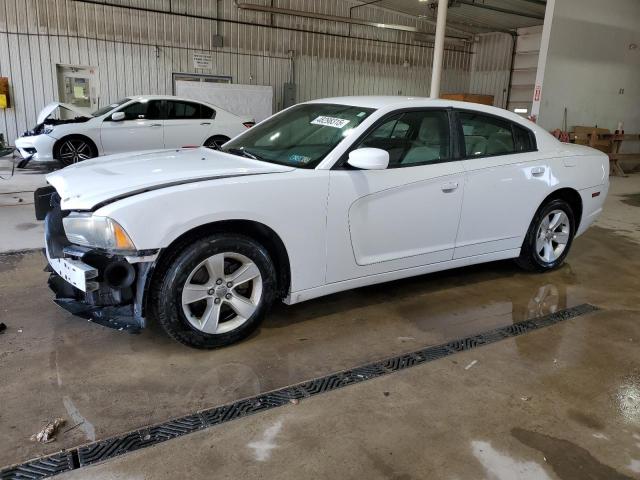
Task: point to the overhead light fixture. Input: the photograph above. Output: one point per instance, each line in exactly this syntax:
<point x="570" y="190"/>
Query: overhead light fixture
<point x="520" y="110"/>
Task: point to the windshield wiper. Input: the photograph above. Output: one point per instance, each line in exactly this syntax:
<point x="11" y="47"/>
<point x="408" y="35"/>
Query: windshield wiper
<point x="243" y="153"/>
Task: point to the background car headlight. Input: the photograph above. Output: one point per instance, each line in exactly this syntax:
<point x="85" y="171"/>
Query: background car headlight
<point x="93" y="231"/>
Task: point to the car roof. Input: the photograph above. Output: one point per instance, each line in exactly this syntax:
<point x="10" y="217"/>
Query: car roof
<point x="398" y="102"/>
<point x="390" y="103"/>
<point x="165" y="97"/>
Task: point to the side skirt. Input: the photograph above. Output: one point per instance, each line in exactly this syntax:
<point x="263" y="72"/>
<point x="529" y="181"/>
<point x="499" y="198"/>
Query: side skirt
<point x="303" y="295"/>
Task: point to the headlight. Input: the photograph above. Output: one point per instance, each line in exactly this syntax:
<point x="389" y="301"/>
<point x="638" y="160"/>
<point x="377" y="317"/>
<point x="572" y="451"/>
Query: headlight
<point x="93" y="231"/>
<point x="48" y="128"/>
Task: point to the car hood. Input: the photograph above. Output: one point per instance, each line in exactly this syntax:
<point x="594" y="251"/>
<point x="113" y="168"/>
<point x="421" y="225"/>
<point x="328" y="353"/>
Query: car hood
<point x="102" y="180"/>
<point x="51" y="107"/>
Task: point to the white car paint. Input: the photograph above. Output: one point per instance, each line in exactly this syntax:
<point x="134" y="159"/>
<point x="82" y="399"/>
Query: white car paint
<point x="111" y="137"/>
<point x="51" y="107"/>
<point x="346" y="228"/>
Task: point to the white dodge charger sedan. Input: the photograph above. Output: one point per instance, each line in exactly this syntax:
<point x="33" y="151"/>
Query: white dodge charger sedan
<point x="147" y="122"/>
<point x="322" y="197"/>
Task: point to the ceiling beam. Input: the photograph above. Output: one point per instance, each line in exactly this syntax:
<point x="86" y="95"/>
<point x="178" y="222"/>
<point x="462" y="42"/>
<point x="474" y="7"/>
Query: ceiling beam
<point x="473" y="3"/>
<point x="334" y="18"/>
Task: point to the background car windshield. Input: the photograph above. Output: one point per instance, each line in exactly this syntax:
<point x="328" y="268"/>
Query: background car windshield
<point x="108" y="108"/>
<point x="302" y="136"/>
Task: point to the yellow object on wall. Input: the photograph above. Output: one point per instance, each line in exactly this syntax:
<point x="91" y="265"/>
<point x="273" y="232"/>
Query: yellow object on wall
<point x="5" y="102"/>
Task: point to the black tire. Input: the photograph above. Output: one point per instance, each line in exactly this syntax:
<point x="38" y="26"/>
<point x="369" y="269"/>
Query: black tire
<point x="216" y="142"/>
<point x="173" y="272"/>
<point x="530" y="259"/>
<point x="64" y="149"/>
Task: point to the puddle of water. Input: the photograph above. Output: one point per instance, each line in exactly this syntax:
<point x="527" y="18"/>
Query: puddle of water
<point x="568" y="460"/>
<point x="632" y="199"/>
<point x="500" y="466"/>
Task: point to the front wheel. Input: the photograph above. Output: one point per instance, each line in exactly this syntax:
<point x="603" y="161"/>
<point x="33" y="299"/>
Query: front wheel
<point x="72" y="150"/>
<point x="216" y="142"/>
<point x="549" y="237"/>
<point x="215" y="291"/>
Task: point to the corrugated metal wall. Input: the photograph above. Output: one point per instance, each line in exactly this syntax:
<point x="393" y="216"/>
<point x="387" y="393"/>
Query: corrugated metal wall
<point x="491" y="66"/>
<point x="136" y="51"/>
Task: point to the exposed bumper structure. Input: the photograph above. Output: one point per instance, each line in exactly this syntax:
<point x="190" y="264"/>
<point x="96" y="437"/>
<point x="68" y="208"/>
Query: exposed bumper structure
<point x="99" y="286"/>
<point x="38" y="148"/>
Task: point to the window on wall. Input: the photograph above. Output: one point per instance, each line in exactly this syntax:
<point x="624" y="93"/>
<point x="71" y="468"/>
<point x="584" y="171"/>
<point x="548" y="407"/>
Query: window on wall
<point x="486" y="135"/>
<point x="412" y="138"/>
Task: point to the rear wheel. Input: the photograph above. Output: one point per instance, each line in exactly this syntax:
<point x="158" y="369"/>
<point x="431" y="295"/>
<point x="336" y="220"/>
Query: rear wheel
<point x="549" y="237"/>
<point x="216" y="142"/>
<point x="74" y="149"/>
<point x="215" y="291"/>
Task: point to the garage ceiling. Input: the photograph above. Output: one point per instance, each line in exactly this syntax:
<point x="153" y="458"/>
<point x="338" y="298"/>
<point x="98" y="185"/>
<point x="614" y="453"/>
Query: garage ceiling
<point x="476" y="15"/>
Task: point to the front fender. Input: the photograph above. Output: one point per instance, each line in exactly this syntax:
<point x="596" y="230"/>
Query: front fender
<point x="292" y="204"/>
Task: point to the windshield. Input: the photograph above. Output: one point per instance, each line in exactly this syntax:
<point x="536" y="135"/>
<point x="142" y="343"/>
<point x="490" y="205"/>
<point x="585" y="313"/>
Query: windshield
<point x="300" y="137"/>
<point x="108" y="108"/>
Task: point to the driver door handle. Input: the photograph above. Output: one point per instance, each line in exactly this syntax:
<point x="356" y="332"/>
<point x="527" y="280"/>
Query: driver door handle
<point x="449" y="187"/>
<point x="155" y="125"/>
<point x="537" y="171"/>
<point x="205" y="123"/>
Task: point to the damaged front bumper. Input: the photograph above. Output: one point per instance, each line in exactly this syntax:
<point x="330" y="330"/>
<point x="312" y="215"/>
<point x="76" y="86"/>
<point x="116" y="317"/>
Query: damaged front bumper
<point x="119" y="307"/>
<point x="103" y="287"/>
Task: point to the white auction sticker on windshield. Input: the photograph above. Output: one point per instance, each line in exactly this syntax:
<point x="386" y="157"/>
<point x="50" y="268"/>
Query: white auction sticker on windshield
<point x="330" y="122"/>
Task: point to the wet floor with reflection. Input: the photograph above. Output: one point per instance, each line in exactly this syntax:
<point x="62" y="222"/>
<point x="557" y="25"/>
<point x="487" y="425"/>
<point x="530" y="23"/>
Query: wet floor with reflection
<point x="108" y="382"/>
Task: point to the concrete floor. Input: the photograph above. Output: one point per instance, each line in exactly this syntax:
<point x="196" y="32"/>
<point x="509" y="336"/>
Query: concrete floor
<point x="20" y="230"/>
<point x="558" y="403"/>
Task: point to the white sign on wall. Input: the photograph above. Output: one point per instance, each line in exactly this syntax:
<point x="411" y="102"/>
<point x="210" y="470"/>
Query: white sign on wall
<point x="254" y="101"/>
<point x="202" y="60"/>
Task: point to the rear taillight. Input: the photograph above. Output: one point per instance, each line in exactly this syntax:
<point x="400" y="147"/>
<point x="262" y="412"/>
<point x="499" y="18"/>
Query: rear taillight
<point x="248" y="124"/>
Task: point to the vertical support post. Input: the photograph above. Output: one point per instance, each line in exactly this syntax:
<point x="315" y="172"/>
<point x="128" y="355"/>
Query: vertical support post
<point x="438" y="49"/>
<point x="542" y="60"/>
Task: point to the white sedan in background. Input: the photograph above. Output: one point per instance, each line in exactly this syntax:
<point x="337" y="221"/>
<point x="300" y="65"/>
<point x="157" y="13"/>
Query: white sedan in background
<point x="325" y="196"/>
<point x="147" y="122"/>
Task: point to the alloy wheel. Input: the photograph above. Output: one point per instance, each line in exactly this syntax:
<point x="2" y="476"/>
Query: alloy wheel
<point x="74" y="151"/>
<point x="222" y="293"/>
<point x="553" y="236"/>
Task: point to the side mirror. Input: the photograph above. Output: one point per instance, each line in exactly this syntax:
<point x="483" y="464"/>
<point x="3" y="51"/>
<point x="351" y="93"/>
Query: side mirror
<point x="117" y="117"/>
<point x="369" y="159"/>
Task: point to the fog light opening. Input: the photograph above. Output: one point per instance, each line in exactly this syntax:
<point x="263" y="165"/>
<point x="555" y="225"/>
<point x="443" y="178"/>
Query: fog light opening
<point x="119" y="274"/>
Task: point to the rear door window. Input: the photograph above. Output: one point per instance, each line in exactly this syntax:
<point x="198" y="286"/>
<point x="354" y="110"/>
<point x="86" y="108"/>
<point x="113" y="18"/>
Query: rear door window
<point x="523" y="139"/>
<point x="485" y="135"/>
<point x="177" y="110"/>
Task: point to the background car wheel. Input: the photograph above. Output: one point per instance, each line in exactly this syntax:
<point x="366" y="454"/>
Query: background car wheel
<point x="216" y="142"/>
<point x="72" y="150"/>
<point x="549" y="237"/>
<point x="214" y="291"/>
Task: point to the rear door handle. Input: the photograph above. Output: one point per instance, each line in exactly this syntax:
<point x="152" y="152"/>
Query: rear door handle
<point x="449" y="187"/>
<point x="205" y="123"/>
<point x="537" y="171"/>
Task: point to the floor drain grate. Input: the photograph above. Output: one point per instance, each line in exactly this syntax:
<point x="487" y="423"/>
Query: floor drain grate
<point x="129" y="442"/>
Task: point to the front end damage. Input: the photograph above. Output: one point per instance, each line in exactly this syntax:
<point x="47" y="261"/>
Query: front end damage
<point x="103" y="287"/>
